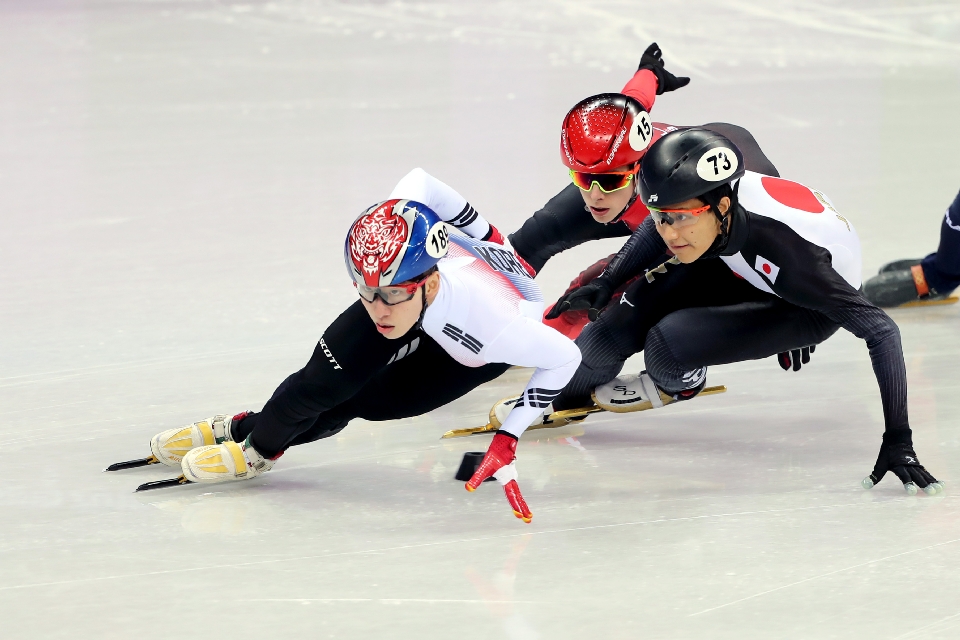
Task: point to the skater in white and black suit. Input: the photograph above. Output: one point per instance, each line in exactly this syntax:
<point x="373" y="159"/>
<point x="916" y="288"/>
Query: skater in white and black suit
<point x="438" y="315"/>
<point x="761" y="266"/>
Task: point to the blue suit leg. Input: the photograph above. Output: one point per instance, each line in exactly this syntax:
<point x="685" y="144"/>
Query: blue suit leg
<point x="942" y="269"/>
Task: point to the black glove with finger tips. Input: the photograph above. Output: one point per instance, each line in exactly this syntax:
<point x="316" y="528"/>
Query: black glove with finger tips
<point x="795" y="357"/>
<point x="652" y="59"/>
<point x="592" y="297"/>
<point x="897" y="455"/>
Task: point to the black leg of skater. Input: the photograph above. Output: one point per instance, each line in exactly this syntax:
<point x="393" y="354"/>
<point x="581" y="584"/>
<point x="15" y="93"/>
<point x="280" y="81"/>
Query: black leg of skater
<point x="397" y="391"/>
<point x="691" y="339"/>
<point x="622" y="328"/>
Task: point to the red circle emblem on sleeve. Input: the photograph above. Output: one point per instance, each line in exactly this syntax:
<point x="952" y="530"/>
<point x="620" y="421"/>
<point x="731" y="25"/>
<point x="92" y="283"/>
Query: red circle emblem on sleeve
<point x="792" y="194"/>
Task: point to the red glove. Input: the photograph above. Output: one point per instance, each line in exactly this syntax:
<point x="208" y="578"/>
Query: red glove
<point x="499" y="462"/>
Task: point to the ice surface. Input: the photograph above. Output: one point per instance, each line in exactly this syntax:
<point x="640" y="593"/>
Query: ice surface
<point x="175" y="182"/>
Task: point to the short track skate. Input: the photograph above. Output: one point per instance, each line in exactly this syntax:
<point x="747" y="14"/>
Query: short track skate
<point x="147" y="486"/>
<point x="562" y="418"/>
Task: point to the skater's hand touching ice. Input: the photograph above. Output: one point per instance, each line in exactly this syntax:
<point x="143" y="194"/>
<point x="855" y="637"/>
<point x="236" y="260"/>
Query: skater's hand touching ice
<point x="901" y="459"/>
<point x="592" y="296"/>
<point x="652" y="59"/>
<point x="796" y="357"/>
<point x="500" y="462"/>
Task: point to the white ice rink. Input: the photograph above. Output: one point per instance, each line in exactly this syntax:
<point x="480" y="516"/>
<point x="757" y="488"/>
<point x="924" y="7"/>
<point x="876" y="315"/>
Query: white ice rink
<point x="176" y="178"/>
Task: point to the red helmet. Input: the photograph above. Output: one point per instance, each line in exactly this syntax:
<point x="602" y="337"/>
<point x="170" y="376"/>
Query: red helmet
<point x="603" y="132"/>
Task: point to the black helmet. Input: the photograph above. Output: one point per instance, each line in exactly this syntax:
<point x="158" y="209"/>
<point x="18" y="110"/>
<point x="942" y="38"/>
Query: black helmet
<point x="687" y="164"/>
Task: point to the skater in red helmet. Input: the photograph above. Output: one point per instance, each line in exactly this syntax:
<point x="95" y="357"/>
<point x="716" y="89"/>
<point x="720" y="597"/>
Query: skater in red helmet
<point x="602" y="142"/>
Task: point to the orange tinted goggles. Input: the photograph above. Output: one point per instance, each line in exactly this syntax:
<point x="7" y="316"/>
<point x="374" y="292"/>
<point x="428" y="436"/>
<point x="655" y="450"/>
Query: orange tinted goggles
<point x="608" y="182"/>
<point x="677" y="217"/>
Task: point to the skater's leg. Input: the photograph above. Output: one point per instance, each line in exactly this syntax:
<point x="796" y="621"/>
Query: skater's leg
<point x="242" y="428"/>
<point x="349" y="354"/>
<point x="942" y="269"/>
<point x="622" y="328"/>
<point x="932" y="278"/>
<point x="685" y="342"/>
<point x="398" y="391"/>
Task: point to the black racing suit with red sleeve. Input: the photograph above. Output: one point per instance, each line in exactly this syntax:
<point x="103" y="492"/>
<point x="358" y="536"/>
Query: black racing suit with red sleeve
<point x="565" y="222"/>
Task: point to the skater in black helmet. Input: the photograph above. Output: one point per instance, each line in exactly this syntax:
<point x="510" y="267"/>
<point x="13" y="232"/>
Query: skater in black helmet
<point x="761" y="266"/>
<point x="922" y="281"/>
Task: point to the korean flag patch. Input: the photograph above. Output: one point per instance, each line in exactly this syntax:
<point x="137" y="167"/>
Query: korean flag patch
<point x="767" y="268"/>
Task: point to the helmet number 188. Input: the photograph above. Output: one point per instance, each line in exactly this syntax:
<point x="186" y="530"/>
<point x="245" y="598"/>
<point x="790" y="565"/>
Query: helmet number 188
<point x="437" y="240"/>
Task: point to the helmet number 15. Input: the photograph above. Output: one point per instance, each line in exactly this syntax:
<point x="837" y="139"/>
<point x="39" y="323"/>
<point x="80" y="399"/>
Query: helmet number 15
<point x="641" y="132"/>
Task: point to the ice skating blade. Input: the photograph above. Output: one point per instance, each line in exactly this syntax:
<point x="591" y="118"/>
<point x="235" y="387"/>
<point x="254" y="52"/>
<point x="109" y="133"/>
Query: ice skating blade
<point x="132" y="464"/>
<point x="161" y="484"/>
<point x="929" y="303"/>
<point x="470" y="431"/>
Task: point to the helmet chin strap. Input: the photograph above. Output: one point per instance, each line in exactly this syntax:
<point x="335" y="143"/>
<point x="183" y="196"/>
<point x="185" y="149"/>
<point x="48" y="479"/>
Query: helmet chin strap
<point x="626" y="207"/>
<point x="423" y="310"/>
<point x="720" y="242"/>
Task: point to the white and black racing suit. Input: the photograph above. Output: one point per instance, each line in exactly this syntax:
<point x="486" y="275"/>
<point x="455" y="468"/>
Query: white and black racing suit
<point x="485" y="318"/>
<point x="789" y="277"/>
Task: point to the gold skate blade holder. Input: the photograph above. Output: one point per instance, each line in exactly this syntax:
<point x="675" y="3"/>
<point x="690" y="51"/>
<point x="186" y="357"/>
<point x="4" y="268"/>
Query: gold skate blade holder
<point x="562" y="418"/>
<point x="928" y="303"/>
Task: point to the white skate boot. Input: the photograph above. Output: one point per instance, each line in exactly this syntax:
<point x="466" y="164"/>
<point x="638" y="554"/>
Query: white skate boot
<point x="171" y="445"/>
<point x="223" y="462"/>
<point x="628" y="393"/>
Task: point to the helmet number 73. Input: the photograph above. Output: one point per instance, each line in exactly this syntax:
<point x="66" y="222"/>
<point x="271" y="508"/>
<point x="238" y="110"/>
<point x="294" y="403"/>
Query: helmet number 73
<point x="718" y="157"/>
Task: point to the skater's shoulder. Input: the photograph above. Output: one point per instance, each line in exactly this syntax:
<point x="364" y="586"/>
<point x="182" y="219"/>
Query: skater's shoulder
<point x="488" y="266"/>
<point x="808" y="211"/>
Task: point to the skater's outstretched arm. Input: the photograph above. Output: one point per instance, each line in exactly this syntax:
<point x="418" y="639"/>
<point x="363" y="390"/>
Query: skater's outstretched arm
<point x="525" y="342"/>
<point x="651" y="64"/>
<point x="446" y="202"/>
<point x="813" y="283"/>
